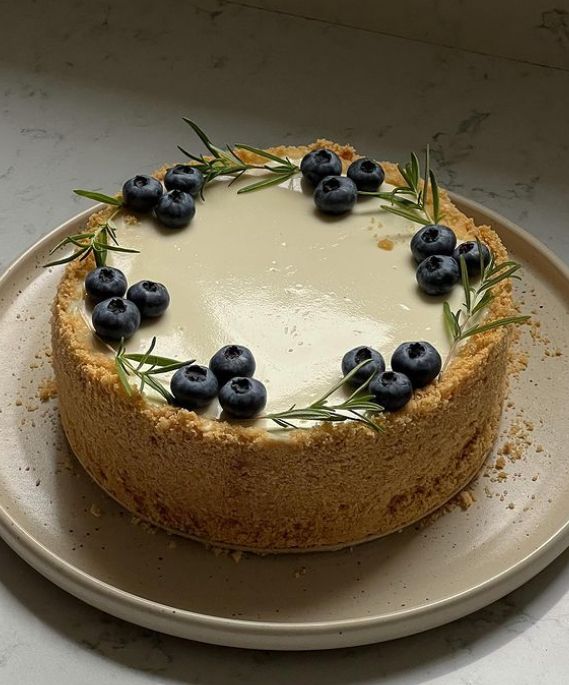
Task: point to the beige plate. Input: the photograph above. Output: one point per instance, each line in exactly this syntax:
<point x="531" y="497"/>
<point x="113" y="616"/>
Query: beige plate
<point x="66" y="528"/>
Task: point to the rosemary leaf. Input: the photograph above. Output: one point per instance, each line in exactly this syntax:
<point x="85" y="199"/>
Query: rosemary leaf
<point x="436" y="200"/>
<point x="100" y="249"/>
<point x="465" y="283"/>
<point x="66" y="260"/>
<point x="190" y="155"/>
<point x="75" y="239"/>
<point x="263" y="153"/>
<point x="508" y="273"/>
<point x="425" y="189"/>
<point x="411" y="215"/>
<point x="112" y="231"/>
<point x="99" y="197"/>
<point x="451" y="324"/>
<point x="265" y="183"/>
<point x="170" y="367"/>
<point x="415" y="171"/>
<point x="123" y="376"/>
<point x="158" y="387"/>
<point x="482" y="328"/>
<point x="203" y="137"/>
<point x="484" y="302"/>
<point x="153" y="359"/>
<point x="117" y="248"/>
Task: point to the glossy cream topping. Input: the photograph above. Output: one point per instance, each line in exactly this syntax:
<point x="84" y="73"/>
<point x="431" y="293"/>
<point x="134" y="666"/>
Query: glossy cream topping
<point x="266" y="270"/>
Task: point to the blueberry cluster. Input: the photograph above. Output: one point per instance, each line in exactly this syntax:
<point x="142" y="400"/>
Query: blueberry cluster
<point x="438" y="257"/>
<point x="118" y="317"/>
<point x="413" y="365"/>
<point x="174" y="208"/>
<point x="229" y="377"/>
<point x="334" y="193"/>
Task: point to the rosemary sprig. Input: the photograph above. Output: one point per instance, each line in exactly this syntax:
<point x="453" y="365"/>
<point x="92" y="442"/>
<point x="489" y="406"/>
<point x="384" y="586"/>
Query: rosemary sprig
<point x="97" y="242"/>
<point x="463" y="324"/>
<point x="359" y="406"/>
<point x="226" y="162"/>
<point x="99" y="197"/>
<point x="133" y="365"/>
<point x="410" y="200"/>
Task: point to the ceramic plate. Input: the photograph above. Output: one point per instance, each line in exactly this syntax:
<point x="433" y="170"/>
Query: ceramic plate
<point x="66" y="528"/>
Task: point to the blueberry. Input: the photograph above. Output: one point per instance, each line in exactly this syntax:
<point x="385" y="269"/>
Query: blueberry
<point x="437" y="274"/>
<point x="116" y="318"/>
<point x="433" y="239"/>
<point x="243" y="397"/>
<point x="142" y="193"/>
<point x="391" y="389"/>
<point x="175" y="209"/>
<point x="419" y="361"/>
<point x="366" y="174"/>
<point x="151" y="298"/>
<point x="231" y="361"/>
<point x="318" y="164"/>
<point x="194" y="386"/>
<point x="471" y="254"/>
<point x="356" y="356"/>
<point x="184" y="177"/>
<point x="335" y="195"/>
<point x="104" y="282"/>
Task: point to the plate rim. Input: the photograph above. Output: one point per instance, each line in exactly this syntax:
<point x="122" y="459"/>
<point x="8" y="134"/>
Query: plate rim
<point x="264" y="634"/>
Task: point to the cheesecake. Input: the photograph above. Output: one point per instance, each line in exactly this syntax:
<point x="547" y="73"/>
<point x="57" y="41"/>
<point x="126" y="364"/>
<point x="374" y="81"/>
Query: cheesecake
<point x="299" y="288"/>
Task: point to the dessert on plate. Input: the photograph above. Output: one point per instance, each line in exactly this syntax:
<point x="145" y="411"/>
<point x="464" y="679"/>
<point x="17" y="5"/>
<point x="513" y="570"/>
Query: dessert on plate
<point x="280" y="350"/>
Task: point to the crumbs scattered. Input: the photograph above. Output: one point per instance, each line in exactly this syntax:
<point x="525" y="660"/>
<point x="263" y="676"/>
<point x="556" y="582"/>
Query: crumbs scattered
<point x="147" y="527"/>
<point x="300" y="572"/>
<point x="386" y="244"/>
<point x="465" y="499"/>
<point x="95" y="511"/>
<point x="235" y="554"/>
<point x="517" y="362"/>
<point x="130" y="219"/>
<point x="47" y="389"/>
<point x="500" y="463"/>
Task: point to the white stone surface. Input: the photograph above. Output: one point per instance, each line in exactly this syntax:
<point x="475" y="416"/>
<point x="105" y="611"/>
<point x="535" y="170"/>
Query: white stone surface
<point x="536" y="32"/>
<point x="91" y="93"/>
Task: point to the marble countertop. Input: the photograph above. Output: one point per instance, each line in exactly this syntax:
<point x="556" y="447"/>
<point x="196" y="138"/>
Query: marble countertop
<point x="90" y="95"/>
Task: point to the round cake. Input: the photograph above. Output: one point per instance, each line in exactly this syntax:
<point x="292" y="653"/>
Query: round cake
<point x="299" y="288"/>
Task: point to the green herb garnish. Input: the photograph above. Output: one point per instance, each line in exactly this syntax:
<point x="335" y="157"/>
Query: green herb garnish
<point x="97" y="242"/>
<point x="133" y="365"/>
<point x="410" y="200"/>
<point x="463" y="324"/>
<point x="226" y="162"/>
<point x="359" y="406"/>
<point x="99" y="197"/>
